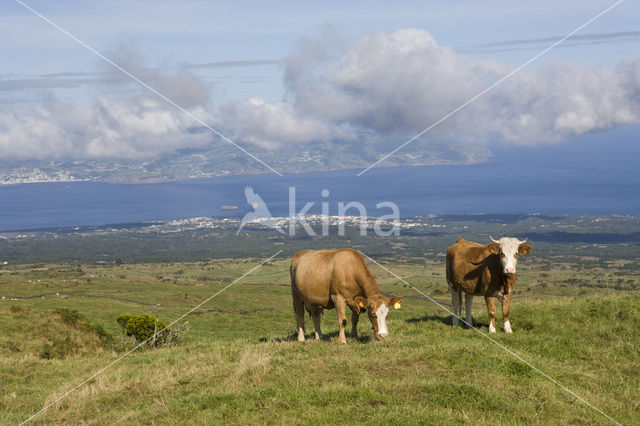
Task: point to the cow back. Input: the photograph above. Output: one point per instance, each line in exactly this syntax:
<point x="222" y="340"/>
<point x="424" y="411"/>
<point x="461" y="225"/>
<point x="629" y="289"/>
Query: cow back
<point x="472" y="268"/>
<point x="316" y="275"/>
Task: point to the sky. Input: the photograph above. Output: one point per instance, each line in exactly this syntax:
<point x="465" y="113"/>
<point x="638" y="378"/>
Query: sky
<point x="296" y="72"/>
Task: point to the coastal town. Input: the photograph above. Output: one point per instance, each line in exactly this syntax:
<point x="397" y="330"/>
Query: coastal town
<point x="20" y="175"/>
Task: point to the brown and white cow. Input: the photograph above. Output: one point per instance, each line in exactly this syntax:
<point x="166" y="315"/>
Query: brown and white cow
<point x="488" y="270"/>
<point x="327" y="279"/>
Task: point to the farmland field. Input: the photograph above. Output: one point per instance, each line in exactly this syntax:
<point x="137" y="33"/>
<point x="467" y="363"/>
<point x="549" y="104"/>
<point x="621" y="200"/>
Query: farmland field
<point x="575" y="318"/>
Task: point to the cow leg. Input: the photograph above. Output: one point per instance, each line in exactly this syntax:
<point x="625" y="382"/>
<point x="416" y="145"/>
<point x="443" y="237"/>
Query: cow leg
<point x="316" y="322"/>
<point x="506" y="305"/>
<point x="456" y="301"/>
<point x="491" y="308"/>
<point x="468" y="302"/>
<point x="354" y="324"/>
<point x="298" y="308"/>
<point x="499" y="296"/>
<point x="342" y="317"/>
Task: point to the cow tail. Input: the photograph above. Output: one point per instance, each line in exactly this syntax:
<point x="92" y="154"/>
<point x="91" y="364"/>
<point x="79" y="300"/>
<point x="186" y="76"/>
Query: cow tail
<point x="292" y="272"/>
<point x="447" y="271"/>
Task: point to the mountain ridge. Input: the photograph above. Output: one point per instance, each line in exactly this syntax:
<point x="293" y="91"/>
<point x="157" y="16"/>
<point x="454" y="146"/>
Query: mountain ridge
<point x="216" y="160"/>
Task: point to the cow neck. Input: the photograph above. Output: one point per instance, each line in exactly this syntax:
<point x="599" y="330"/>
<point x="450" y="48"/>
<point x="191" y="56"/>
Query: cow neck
<point x="494" y="266"/>
<point x="509" y="280"/>
<point x="495" y="270"/>
<point x="370" y="287"/>
<point x="506" y="282"/>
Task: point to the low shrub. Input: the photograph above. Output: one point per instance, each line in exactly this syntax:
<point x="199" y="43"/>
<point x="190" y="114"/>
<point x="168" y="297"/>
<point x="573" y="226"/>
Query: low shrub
<point x="146" y="327"/>
<point x="67" y="316"/>
<point x="153" y="332"/>
<point x="14" y="309"/>
<point x="105" y="338"/>
<point x="59" y="348"/>
<point x="123" y="319"/>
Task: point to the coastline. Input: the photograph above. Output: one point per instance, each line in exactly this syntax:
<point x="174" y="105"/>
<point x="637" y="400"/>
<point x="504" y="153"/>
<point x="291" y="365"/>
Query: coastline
<point x="126" y="179"/>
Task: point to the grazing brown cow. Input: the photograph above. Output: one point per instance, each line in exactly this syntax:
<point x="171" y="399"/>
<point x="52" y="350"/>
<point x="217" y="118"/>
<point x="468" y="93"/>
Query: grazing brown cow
<point x="488" y="270"/>
<point x="324" y="279"/>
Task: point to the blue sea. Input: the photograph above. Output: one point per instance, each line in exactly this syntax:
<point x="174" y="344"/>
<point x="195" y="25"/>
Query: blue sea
<point x="592" y="175"/>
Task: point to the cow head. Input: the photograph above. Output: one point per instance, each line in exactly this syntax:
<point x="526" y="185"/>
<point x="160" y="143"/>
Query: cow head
<point x="377" y="307"/>
<point x="508" y="250"/>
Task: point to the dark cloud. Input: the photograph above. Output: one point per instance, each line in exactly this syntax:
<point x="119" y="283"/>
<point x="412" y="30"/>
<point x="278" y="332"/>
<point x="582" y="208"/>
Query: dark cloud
<point x="71" y="74"/>
<point x="182" y="87"/>
<point x="51" y="82"/>
<point x="234" y="64"/>
<point x="574" y="40"/>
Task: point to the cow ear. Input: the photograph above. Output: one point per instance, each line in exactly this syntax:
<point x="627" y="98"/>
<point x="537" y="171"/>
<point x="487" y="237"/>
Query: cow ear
<point x="356" y="304"/>
<point x="493" y="248"/>
<point x="395" y="302"/>
<point x="524" y="249"/>
<point x="361" y="302"/>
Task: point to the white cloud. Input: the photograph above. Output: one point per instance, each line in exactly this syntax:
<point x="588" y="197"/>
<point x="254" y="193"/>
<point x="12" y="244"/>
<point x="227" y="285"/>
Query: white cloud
<point x="401" y="82"/>
<point x="562" y="99"/>
<point x="119" y="125"/>
<point x="388" y="86"/>
<point x="105" y="129"/>
<point x="273" y="125"/>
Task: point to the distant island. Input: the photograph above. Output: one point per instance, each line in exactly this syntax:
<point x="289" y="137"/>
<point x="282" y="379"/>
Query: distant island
<point x="221" y="159"/>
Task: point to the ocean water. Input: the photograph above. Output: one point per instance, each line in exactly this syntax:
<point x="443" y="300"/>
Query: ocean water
<point x="590" y="176"/>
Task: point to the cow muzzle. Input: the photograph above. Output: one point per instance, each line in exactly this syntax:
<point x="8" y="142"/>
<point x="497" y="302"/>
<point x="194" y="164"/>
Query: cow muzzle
<point x="509" y="271"/>
<point x="381" y="336"/>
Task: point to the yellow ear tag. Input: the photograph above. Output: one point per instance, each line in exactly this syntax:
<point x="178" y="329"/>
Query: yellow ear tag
<point x="396" y="305"/>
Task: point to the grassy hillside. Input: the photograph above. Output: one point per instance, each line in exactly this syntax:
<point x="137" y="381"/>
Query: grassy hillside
<point x="238" y="363"/>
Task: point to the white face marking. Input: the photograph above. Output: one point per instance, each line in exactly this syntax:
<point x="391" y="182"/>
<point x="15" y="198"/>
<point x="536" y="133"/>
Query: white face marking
<point x="508" y="251"/>
<point x="381" y="316"/>
<point x="507" y="327"/>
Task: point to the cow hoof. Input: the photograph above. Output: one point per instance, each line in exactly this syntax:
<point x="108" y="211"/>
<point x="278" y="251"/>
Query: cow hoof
<point x="507" y="327"/>
<point x="492" y="329"/>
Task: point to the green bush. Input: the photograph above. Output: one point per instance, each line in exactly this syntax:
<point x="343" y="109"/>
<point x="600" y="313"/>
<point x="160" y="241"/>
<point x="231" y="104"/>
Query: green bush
<point x="146" y="328"/>
<point x="123" y="320"/>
